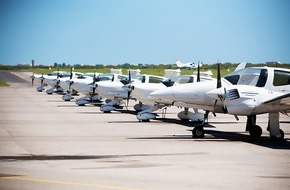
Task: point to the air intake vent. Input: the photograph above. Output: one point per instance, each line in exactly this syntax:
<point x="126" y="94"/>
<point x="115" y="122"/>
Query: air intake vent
<point x="233" y="94"/>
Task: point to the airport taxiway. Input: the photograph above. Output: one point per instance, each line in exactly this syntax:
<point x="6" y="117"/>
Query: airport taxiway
<point x="46" y="143"/>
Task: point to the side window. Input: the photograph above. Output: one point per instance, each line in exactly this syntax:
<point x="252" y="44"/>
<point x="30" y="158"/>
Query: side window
<point x="234" y="79"/>
<point x="154" y="79"/>
<point x="120" y="77"/>
<point x="281" y="78"/>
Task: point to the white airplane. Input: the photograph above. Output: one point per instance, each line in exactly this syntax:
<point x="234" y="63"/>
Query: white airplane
<point x="86" y="86"/>
<point x="148" y="104"/>
<point x="84" y="83"/>
<point x="190" y="65"/>
<point x="89" y="89"/>
<point x="66" y="83"/>
<point x="246" y="92"/>
<point x="116" y="94"/>
<point x="49" y="79"/>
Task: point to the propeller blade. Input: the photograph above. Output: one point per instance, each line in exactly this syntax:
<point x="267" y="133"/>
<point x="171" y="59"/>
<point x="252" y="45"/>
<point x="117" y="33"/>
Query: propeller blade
<point x="94" y="79"/>
<point x="198" y="72"/>
<point x="129" y="92"/>
<point x="57" y="82"/>
<point x="94" y="82"/>
<point x="225" y="109"/>
<point x="130" y="78"/>
<point x="219" y="83"/>
<point x="42" y="79"/>
<point x="32" y="80"/>
<point x="113" y="78"/>
<point x="71" y="73"/>
<point x="32" y="77"/>
<point x="215" y="103"/>
<point x="69" y="87"/>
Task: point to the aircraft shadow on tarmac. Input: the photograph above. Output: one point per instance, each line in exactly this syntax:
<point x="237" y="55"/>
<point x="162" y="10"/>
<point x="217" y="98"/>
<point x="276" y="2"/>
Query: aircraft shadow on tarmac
<point x="222" y="136"/>
<point x="32" y="157"/>
<point x="211" y="135"/>
<point x="9" y="175"/>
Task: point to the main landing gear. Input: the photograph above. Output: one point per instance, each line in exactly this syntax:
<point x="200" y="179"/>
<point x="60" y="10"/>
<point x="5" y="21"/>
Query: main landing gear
<point x="254" y="130"/>
<point x="273" y="127"/>
<point x="198" y="130"/>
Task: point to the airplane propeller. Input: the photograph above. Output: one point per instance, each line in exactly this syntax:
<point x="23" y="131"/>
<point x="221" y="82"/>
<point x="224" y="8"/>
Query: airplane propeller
<point x="32" y="76"/>
<point x="95" y="79"/>
<point x="198" y="73"/>
<point x="129" y="92"/>
<point x="71" y="73"/>
<point x="42" y="79"/>
<point x="219" y="82"/>
<point x="94" y="82"/>
<point x="57" y="77"/>
<point x="70" y="81"/>
<point x="221" y="93"/>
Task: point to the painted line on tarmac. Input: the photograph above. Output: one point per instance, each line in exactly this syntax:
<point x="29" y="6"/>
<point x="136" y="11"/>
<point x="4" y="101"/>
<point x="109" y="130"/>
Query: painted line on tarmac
<point x="67" y="183"/>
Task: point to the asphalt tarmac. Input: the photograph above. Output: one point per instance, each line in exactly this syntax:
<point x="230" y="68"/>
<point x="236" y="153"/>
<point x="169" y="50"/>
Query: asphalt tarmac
<point x="46" y="143"/>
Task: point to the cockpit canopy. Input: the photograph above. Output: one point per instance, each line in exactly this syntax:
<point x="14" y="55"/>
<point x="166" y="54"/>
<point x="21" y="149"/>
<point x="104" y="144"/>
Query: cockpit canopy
<point x="258" y="77"/>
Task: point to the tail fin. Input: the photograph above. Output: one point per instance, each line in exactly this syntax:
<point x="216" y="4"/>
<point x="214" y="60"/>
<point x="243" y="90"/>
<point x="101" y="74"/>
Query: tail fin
<point x="178" y="63"/>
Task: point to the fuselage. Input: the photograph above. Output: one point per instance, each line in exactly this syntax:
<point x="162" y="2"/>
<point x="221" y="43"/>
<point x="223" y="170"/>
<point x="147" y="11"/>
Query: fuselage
<point x="242" y="93"/>
<point x="142" y="92"/>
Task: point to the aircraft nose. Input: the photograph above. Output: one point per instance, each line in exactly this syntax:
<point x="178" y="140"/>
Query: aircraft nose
<point x="216" y="93"/>
<point x="128" y="87"/>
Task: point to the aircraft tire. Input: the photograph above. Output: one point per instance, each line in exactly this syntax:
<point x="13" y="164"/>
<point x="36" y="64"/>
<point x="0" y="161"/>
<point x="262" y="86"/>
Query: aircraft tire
<point x="198" y="132"/>
<point x="275" y="138"/>
<point x="256" y="131"/>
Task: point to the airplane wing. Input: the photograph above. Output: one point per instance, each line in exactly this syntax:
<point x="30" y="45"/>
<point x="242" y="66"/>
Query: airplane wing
<point x="280" y="100"/>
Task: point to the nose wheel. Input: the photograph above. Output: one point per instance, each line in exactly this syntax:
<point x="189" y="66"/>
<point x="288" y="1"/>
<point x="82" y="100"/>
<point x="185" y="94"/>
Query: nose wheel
<point x="198" y="132"/>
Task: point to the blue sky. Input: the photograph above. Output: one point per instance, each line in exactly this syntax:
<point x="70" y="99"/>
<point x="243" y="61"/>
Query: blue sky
<point x="144" y="31"/>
